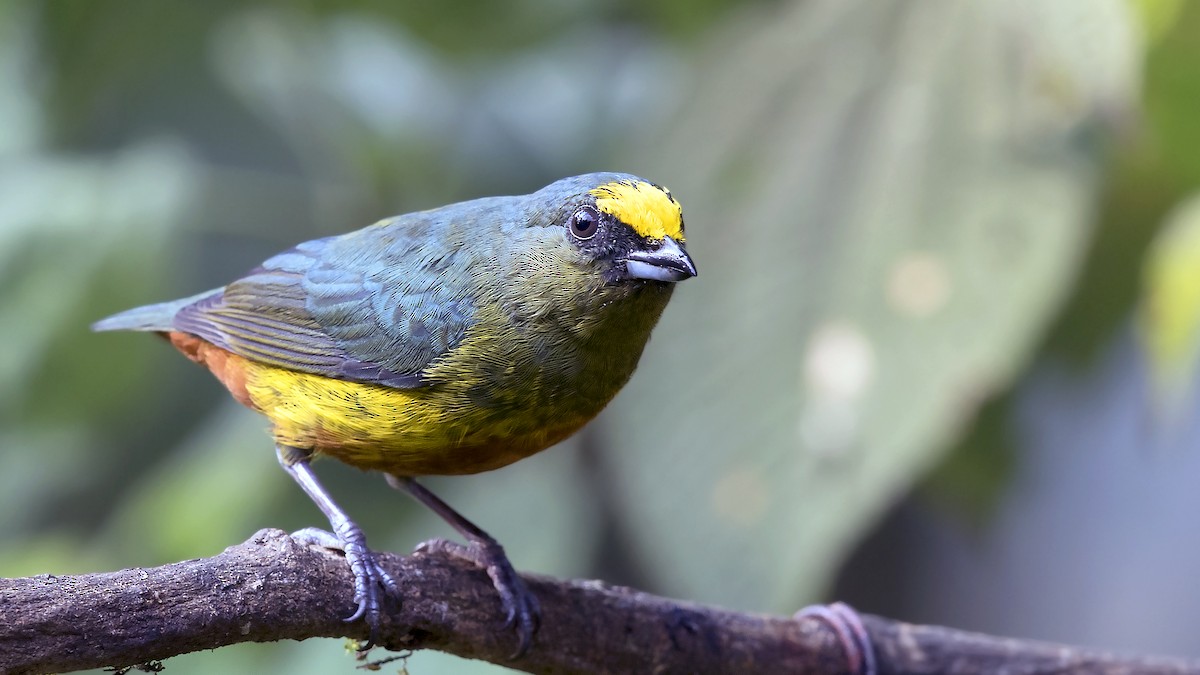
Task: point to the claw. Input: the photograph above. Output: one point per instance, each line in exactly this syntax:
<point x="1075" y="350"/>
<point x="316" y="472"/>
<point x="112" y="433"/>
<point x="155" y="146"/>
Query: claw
<point x="521" y="608"/>
<point x="369" y="575"/>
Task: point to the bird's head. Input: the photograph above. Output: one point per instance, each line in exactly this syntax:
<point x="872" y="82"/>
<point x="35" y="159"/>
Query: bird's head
<point x="627" y="227"/>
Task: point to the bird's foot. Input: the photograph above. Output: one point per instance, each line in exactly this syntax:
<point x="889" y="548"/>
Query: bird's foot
<point x="521" y="609"/>
<point x="371" y="581"/>
<point x="851" y="633"/>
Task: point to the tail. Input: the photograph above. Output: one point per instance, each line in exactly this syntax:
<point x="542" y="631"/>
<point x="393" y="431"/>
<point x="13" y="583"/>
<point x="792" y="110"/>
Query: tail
<point x="158" y="317"/>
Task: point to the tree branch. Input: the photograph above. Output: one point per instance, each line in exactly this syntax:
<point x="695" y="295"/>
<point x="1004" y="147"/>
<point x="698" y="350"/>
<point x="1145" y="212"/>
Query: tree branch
<point x="273" y="588"/>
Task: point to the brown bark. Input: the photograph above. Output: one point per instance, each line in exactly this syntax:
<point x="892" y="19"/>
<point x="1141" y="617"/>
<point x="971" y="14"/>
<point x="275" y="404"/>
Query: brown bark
<point x="273" y="588"/>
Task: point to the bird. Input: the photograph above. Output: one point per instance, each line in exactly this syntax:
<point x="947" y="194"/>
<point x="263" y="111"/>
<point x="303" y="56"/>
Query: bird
<point x="449" y="341"/>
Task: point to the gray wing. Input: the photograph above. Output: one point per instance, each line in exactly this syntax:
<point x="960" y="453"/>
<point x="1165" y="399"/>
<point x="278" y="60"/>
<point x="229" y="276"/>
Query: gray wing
<point x="378" y="305"/>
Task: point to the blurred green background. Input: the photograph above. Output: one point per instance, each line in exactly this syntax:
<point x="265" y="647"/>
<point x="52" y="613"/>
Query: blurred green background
<point x="938" y="362"/>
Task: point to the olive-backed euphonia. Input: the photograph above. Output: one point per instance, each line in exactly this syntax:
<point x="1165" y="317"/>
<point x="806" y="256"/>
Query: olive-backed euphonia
<point x="448" y="341"/>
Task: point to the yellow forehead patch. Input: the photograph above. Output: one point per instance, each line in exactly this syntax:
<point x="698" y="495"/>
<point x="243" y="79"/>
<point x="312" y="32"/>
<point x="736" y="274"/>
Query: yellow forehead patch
<point x="650" y="210"/>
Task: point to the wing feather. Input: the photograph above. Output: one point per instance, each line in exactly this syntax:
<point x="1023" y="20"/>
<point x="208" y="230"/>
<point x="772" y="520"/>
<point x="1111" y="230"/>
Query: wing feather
<point x="338" y="306"/>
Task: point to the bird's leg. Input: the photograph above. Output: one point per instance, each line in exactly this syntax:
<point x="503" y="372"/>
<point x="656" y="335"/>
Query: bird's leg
<point x="520" y="605"/>
<point x="851" y="633"/>
<point x="369" y="576"/>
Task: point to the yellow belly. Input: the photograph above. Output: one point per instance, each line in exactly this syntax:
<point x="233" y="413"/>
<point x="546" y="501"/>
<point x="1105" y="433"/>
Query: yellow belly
<point x="431" y="430"/>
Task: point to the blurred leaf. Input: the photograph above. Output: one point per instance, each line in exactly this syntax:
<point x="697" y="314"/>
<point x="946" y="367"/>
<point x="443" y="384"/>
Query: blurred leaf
<point x="1172" y="89"/>
<point x="884" y="217"/>
<point x="1170" y="316"/>
<point x="1157" y="16"/>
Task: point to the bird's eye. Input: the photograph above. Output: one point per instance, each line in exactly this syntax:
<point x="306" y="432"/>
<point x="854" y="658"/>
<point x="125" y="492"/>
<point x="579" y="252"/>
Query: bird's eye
<point x="584" y="222"/>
